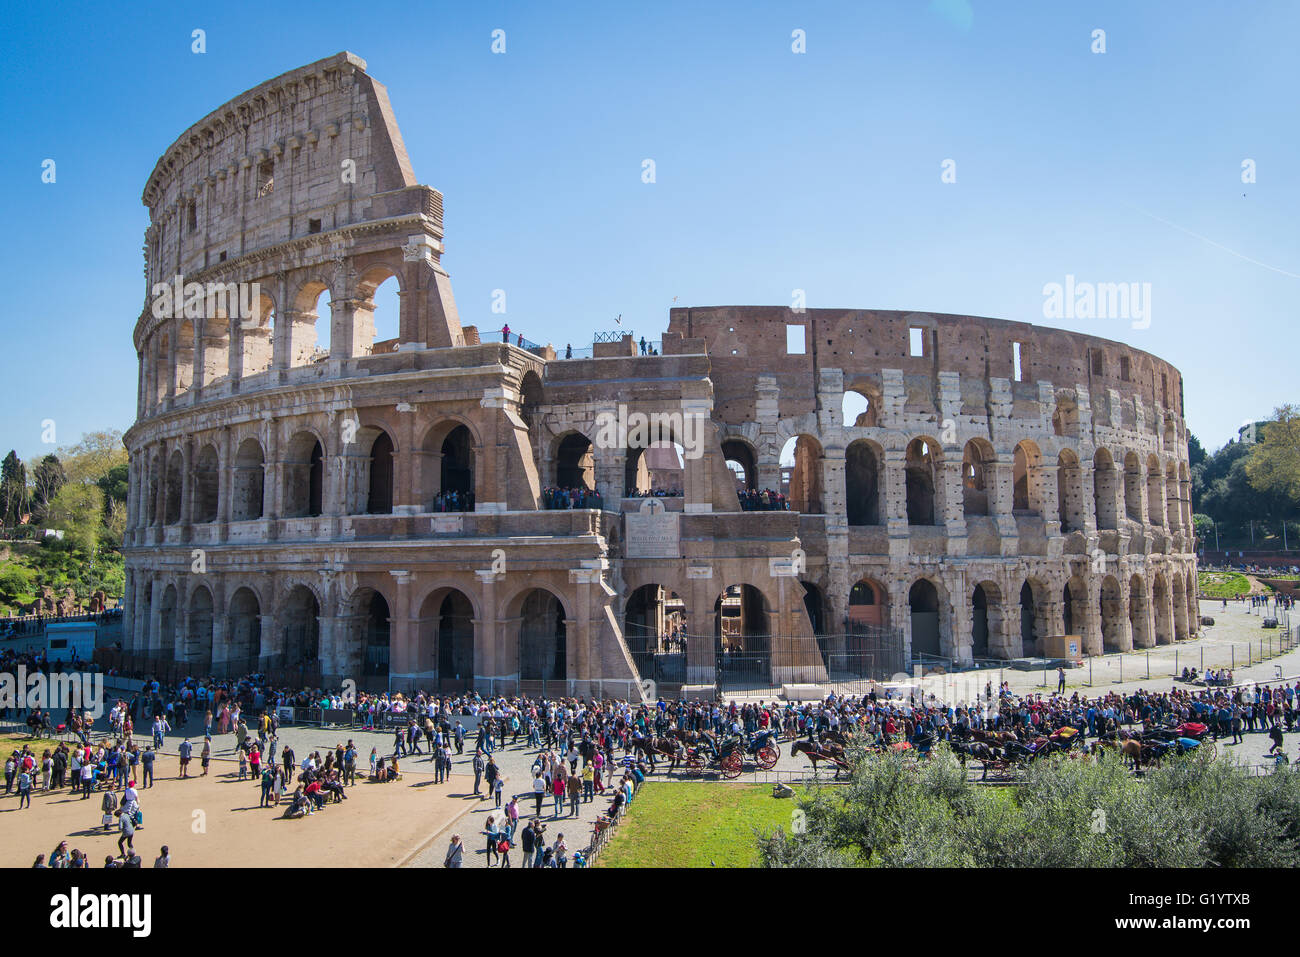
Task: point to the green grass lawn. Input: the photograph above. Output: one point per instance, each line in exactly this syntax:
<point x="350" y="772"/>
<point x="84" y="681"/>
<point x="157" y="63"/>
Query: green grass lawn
<point x="1222" y="584"/>
<point x="10" y="743"/>
<point x="689" y="825"/>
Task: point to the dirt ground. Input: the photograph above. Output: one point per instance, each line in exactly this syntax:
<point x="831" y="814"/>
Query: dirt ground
<point x="216" y="822"/>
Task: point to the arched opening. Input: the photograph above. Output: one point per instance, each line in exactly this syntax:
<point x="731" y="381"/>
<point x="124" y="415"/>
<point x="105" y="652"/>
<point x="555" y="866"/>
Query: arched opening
<point x="1173" y="499"/>
<point x="175" y="486"/>
<point x="654" y="620"/>
<point x="920" y="465"/>
<point x="304" y="476"/>
<point x="167" y="623"/>
<point x="246" y="486"/>
<point x="162" y="369"/>
<point x="1026" y="472"/>
<point x="378" y="315"/>
<point x="575" y="463"/>
<point x="207" y="482"/>
<point x="446" y="644"/>
<point x="216" y="348"/>
<point x="977" y="477"/>
<point x="1180" y="608"/>
<point x="1069" y="492"/>
<point x="979" y="632"/>
<point x="1074" y="607"/>
<point x="379" y="498"/>
<point x="310" y="332"/>
<point x="1112" y="615"/>
<point x="1105" y="488"/>
<point x="1029" y="620"/>
<point x="742" y="636"/>
<point x="198" y="641"/>
<point x="157" y="491"/>
<point x="375" y="635"/>
<point x="255" y="337"/>
<point x="1155" y="495"/>
<point x="801" y="474"/>
<point x="1133" y="488"/>
<point x="542" y="638"/>
<point x="868" y="605"/>
<point x="923" y="601"/>
<point x="862" y="483"/>
<point x="530" y="397"/>
<point x="741" y="461"/>
<point x="300" y="618"/>
<point x="658" y="469"/>
<point x="654" y="626"/>
<point x="457" y="468"/>
<point x="244" y="637"/>
<point x="1139" y="613"/>
<point x="1163" y="612"/>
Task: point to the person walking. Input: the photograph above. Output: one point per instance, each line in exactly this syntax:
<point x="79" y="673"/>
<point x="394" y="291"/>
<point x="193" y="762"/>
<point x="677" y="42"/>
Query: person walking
<point x="505" y="333"/>
<point x="539" y="790"/>
<point x="455" y="852"/>
<point x="1060" y="681"/>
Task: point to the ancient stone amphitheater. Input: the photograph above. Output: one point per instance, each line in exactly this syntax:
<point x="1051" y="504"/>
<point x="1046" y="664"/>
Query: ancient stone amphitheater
<point x="959" y="488"/>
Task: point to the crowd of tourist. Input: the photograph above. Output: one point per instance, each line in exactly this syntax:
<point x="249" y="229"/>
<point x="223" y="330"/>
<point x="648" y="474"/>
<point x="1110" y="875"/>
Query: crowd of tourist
<point x="766" y="500"/>
<point x="654" y="492"/>
<point x="554" y="498"/>
<point x="454" y="501"/>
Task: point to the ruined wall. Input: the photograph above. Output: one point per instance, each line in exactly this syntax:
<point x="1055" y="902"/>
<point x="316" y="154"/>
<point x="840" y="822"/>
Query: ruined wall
<point x="383" y="503"/>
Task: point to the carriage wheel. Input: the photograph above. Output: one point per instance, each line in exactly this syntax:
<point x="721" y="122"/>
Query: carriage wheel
<point x="767" y="757"/>
<point x="733" y="764"/>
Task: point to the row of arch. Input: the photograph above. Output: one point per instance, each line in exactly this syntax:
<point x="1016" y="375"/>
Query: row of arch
<point x="1001" y="624"/>
<point x="1135" y="489"/>
<point x="448" y="450"/>
<point x="233" y="332"/>
<point x="444" y="636"/>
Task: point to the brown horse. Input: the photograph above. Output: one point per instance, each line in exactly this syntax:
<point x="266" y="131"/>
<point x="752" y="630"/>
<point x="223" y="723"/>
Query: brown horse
<point x="664" y="747"/>
<point x="827" y="752"/>
<point x="1130" y="750"/>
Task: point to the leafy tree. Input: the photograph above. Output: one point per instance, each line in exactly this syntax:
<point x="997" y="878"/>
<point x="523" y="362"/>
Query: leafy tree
<point x="94" y="457"/>
<point x="79" y="511"/>
<point x="1273" y="466"/>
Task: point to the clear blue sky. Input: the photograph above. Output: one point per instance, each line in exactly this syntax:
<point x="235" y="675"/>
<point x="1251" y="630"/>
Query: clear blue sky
<point x="775" y="171"/>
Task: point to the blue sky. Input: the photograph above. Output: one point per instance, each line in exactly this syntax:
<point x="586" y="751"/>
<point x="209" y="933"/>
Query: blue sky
<point x="775" y="171"/>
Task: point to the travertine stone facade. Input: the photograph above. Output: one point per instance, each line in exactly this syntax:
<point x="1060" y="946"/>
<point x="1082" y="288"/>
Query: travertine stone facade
<point x="1005" y="482"/>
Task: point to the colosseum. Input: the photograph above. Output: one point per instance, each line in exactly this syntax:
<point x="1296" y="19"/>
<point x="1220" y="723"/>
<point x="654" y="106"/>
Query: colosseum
<point x="832" y="491"/>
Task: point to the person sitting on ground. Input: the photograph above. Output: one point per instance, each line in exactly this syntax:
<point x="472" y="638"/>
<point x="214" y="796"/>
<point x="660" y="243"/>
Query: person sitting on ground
<point x="298" y="805"/>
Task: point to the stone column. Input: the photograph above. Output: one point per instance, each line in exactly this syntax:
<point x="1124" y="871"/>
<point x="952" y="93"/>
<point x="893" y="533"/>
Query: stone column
<point x="835" y="501"/>
<point x="1049" y="504"/>
<point x="351" y="329"/>
<point x="488" y="628"/>
<point x="403" y="638"/>
<point x="1003" y="501"/>
<point x="406" y="491"/>
<point x="950" y="497"/>
<point x="895" y="514"/>
<point x="187" y="487"/>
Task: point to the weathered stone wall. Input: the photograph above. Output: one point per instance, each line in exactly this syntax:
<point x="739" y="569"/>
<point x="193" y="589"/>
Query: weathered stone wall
<point x="285" y="506"/>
